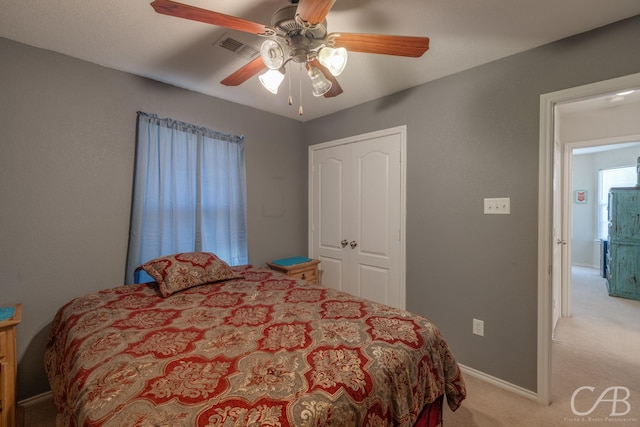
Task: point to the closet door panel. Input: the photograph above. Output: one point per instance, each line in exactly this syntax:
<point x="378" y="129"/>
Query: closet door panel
<point x="372" y="195"/>
<point x="375" y="218"/>
<point x="375" y="284"/>
<point x="329" y="208"/>
<point x="331" y="274"/>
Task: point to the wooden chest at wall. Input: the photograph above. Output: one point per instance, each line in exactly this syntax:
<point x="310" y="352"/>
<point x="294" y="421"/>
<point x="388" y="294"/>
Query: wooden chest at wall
<point x="306" y="271"/>
<point x="8" y="365"/>
<point x="623" y="260"/>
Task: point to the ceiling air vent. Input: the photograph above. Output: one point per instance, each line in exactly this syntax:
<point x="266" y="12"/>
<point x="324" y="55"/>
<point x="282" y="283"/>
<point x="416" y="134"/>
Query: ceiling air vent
<point x="238" y="47"/>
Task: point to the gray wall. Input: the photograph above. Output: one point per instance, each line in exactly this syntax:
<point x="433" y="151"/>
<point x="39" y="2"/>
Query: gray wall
<point x="66" y="159"/>
<point x="474" y="135"/>
<point x="66" y="169"/>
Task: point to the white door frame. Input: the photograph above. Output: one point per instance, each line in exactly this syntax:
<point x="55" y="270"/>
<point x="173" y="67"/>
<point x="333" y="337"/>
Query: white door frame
<point x="548" y="102"/>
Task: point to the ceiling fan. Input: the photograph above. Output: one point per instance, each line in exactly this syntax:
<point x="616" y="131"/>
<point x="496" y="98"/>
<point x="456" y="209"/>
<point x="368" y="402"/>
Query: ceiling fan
<point x="298" y="33"/>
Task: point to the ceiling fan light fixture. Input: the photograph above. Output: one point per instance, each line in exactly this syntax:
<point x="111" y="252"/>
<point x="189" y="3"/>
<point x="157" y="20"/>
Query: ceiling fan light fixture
<point x="272" y="54"/>
<point x="298" y="33"/>
<point x="319" y="83"/>
<point x="271" y="80"/>
<point x="335" y="59"/>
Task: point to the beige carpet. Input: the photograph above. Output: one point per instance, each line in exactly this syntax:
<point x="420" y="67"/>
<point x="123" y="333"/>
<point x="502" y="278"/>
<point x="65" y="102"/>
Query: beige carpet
<point x="598" y="346"/>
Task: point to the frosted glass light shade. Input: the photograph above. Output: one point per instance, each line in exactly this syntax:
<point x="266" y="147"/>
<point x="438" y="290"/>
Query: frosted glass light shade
<point x="334" y="59"/>
<point x="319" y="83"/>
<point x="272" y="54"/>
<point x="271" y="80"/>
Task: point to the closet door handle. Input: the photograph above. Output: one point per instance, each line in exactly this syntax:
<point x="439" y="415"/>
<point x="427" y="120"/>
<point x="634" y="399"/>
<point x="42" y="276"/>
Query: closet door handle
<point x="353" y="244"/>
<point x="344" y="243"/>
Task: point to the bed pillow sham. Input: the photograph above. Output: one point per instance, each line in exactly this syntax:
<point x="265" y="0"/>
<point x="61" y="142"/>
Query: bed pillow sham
<point x="178" y="272"/>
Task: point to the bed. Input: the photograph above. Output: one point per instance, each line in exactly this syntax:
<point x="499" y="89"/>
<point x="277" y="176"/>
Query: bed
<point x="255" y="348"/>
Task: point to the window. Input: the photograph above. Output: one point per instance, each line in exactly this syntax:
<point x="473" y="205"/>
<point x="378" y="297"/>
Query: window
<point x="608" y="178"/>
<point x="189" y="194"/>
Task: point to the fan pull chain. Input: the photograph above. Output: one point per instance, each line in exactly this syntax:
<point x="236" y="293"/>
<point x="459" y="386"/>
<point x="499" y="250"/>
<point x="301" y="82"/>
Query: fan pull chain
<point x="290" y="97"/>
<point x="300" y="111"/>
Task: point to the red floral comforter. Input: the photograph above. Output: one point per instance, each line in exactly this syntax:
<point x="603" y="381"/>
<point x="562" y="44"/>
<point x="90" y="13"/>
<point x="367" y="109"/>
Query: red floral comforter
<point x="260" y="351"/>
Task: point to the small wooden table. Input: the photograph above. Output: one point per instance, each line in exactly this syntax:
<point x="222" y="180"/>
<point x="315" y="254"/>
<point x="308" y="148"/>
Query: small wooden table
<point x="306" y="270"/>
<point x="8" y="368"/>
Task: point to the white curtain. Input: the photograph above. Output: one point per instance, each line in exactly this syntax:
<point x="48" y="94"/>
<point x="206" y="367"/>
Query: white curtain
<point x="189" y="193"/>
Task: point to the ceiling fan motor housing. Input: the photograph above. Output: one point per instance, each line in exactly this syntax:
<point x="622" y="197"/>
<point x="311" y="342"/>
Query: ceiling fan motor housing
<point x="299" y="48"/>
<point x="299" y="37"/>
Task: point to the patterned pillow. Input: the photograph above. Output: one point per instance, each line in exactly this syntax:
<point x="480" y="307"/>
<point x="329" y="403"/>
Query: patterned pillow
<point x="184" y="270"/>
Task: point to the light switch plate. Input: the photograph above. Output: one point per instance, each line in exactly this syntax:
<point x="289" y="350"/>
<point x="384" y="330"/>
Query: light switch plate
<point x="478" y="327"/>
<point x="499" y="206"/>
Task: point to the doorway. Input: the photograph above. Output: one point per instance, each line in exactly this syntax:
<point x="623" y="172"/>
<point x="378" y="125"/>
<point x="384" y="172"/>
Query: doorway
<point x="547" y="234"/>
<point x="593" y="163"/>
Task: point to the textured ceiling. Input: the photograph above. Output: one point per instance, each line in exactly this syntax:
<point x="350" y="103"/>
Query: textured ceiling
<point x="128" y="35"/>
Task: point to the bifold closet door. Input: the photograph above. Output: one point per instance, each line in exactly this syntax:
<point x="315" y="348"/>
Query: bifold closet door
<point x="356" y="210"/>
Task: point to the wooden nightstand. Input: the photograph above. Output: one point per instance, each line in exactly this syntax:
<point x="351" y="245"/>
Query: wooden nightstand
<point x="306" y="270"/>
<point x="8" y="368"/>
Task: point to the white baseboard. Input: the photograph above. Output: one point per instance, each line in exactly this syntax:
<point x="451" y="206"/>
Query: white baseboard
<point x="499" y="383"/>
<point x="34" y="400"/>
<point x="581" y="264"/>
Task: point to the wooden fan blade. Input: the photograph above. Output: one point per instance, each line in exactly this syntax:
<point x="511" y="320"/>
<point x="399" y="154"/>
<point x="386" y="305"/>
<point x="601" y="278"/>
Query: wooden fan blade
<point x="172" y="8"/>
<point x="382" y="44"/>
<point x="336" y="89"/>
<point x="244" y="73"/>
<point x="314" y="11"/>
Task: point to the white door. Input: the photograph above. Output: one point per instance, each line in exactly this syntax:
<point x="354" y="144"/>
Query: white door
<point x="356" y="216"/>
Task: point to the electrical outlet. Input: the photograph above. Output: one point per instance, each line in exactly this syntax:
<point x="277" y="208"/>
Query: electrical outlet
<point x="478" y="327"/>
<point x="500" y="206"/>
